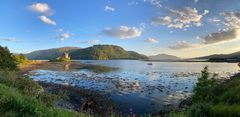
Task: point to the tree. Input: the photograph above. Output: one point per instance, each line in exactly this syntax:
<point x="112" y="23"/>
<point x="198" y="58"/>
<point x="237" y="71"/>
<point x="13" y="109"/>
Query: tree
<point x="7" y="60"/>
<point x="21" y="58"/>
<point x="202" y="90"/>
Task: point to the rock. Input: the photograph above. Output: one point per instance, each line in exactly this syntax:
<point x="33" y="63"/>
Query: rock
<point x="185" y="103"/>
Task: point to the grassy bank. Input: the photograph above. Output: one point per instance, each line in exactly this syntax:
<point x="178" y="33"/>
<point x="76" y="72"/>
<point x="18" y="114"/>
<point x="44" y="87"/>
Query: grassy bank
<point x="23" y="97"/>
<point x="214" y="98"/>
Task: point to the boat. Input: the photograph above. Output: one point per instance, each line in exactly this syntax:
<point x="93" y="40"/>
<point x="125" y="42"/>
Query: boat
<point x="149" y="64"/>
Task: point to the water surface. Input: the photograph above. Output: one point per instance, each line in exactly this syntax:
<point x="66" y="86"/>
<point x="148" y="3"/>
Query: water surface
<point x="137" y="86"/>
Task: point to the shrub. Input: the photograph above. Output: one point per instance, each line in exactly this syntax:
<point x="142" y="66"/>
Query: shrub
<point x="202" y="90"/>
<point x="13" y="103"/>
<point x="199" y="110"/>
<point x="20" y="59"/>
<point x="25" y="85"/>
<point x="7" y="60"/>
<point x="47" y="98"/>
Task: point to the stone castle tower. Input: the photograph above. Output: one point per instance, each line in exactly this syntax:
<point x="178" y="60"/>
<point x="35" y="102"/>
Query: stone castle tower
<point x="66" y="56"/>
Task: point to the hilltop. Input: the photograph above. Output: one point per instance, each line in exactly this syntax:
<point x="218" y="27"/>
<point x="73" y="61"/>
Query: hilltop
<point x="49" y="54"/>
<point x="164" y="57"/>
<point x="96" y="52"/>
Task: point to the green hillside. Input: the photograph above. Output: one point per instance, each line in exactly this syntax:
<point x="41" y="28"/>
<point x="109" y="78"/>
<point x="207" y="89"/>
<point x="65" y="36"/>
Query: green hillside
<point x="105" y="52"/>
<point x="49" y="53"/>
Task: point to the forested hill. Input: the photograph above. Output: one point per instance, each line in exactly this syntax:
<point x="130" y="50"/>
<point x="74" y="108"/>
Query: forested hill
<point x="105" y="52"/>
<point x="96" y="52"/>
<point x="49" y="54"/>
<point x="223" y="57"/>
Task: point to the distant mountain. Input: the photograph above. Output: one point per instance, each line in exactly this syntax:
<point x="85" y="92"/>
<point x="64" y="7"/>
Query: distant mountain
<point x="105" y="52"/>
<point x="96" y="52"/>
<point x="163" y="57"/>
<point x="50" y="53"/>
<point x="222" y="57"/>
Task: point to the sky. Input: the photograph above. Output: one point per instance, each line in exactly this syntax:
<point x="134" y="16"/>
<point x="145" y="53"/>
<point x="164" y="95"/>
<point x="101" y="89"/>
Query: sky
<point x="185" y="28"/>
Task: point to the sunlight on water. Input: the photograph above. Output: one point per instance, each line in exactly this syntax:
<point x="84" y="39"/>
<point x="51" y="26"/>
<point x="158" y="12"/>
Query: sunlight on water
<point x="136" y="85"/>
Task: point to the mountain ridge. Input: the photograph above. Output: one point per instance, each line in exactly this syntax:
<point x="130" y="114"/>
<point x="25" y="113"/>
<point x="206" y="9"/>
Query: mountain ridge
<point x="163" y="57"/>
<point x="96" y="52"/>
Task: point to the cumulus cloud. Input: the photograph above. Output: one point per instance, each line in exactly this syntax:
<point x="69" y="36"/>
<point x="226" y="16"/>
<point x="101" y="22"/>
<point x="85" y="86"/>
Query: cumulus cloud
<point x="231" y="32"/>
<point x="64" y="36"/>
<point x="214" y="20"/>
<point x="108" y="8"/>
<point x="133" y="3"/>
<point x="232" y="19"/>
<point x="123" y="32"/>
<point x="181" y="18"/>
<point x="180" y="45"/>
<point x="41" y="8"/>
<point x="46" y="20"/>
<point x="221" y="36"/>
<point x="9" y="39"/>
<point x="59" y="30"/>
<point x="156" y="3"/>
<point x="151" y="40"/>
<point x="196" y="1"/>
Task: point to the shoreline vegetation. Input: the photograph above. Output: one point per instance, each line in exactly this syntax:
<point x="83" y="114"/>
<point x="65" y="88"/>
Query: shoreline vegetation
<point x="20" y="96"/>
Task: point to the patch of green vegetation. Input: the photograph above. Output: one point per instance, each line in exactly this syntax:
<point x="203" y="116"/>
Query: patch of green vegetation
<point x="21" y="59"/>
<point x="24" y="85"/>
<point x="98" y="68"/>
<point x="12" y="102"/>
<point x="7" y="60"/>
<point x="61" y="59"/>
<point x="23" y="97"/>
<point x="105" y="52"/>
<point x="215" y="98"/>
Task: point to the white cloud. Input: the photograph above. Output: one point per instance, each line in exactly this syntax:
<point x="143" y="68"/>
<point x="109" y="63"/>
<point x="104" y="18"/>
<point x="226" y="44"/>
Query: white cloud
<point x="41" y="8"/>
<point x="108" y="8"/>
<point x="64" y="36"/>
<point x="151" y="40"/>
<point x="133" y="3"/>
<point x="181" y="18"/>
<point x="59" y="30"/>
<point x="196" y="1"/>
<point x="47" y="20"/>
<point x="123" y="32"/>
<point x="231" y="32"/>
<point x="180" y="45"/>
<point x="156" y="3"/>
<point x="214" y="20"/>
<point x="221" y="36"/>
<point x="9" y="39"/>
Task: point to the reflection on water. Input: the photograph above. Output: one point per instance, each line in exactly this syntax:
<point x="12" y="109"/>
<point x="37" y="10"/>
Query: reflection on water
<point x="66" y="66"/>
<point x="137" y="86"/>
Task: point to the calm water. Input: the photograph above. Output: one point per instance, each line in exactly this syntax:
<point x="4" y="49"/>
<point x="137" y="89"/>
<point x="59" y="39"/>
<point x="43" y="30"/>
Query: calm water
<point x="137" y="86"/>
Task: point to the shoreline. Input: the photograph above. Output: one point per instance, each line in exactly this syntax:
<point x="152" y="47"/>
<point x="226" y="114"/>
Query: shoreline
<point x="78" y="99"/>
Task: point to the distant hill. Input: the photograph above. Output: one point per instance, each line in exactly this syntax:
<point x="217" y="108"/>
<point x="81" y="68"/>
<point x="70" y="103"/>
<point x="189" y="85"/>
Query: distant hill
<point x="105" y="52"/>
<point x="222" y="57"/>
<point x="96" y="52"/>
<point x="50" y="53"/>
<point x="163" y="57"/>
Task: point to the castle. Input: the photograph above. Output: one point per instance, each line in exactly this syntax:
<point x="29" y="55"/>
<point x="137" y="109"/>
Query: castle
<point x="66" y="56"/>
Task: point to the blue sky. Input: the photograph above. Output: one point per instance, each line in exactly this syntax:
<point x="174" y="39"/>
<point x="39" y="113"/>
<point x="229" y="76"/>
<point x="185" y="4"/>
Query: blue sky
<point x="186" y="28"/>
